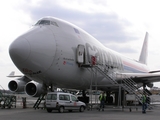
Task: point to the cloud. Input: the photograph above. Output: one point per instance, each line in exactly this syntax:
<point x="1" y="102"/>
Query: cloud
<point x="106" y="27"/>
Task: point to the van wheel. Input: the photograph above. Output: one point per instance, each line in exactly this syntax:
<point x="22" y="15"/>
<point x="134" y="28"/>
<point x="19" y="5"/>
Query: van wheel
<point x="61" y="109"/>
<point x="49" y="110"/>
<point x="81" y="109"/>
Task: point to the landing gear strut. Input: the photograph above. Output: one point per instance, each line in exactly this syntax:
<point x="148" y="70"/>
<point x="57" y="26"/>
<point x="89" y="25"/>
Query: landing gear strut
<point x="109" y="98"/>
<point x="84" y="98"/>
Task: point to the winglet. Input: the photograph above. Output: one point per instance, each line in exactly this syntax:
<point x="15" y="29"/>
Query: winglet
<point x="144" y="51"/>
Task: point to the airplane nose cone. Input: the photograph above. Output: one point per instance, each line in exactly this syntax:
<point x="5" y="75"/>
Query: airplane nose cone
<point x="19" y="50"/>
<point x="33" y="52"/>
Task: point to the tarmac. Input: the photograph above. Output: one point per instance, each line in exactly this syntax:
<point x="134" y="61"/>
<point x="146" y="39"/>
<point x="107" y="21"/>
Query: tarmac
<point x="109" y="113"/>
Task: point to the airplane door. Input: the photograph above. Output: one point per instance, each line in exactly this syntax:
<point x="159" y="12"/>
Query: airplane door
<point x="80" y="54"/>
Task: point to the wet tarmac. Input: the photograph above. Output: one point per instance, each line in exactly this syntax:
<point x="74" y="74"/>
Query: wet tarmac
<point x="110" y="113"/>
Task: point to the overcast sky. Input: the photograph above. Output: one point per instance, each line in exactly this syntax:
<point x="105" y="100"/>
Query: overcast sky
<point x="118" y="24"/>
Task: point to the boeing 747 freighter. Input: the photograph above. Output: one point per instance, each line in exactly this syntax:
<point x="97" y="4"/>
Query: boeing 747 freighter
<point x="57" y="53"/>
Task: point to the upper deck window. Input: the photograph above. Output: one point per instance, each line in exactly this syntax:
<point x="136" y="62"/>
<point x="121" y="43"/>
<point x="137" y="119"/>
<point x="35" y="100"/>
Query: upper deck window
<point x="76" y="30"/>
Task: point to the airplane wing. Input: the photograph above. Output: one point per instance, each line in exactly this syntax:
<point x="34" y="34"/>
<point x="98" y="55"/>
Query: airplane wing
<point x="142" y="77"/>
<point x="12" y="74"/>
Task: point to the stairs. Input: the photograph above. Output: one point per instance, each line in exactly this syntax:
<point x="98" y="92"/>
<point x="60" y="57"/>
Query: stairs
<point x="127" y="83"/>
<point x="38" y="102"/>
<point x="109" y="77"/>
<point x="7" y="101"/>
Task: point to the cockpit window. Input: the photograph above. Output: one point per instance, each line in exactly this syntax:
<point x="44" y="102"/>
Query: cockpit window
<point x="54" y="23"/>
<point x="46" y="22"/>
<point x="43" y="22"/>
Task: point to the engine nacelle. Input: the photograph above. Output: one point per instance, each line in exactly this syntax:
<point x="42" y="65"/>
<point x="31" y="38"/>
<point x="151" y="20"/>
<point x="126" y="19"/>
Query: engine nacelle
<point x="35" y="89"/>
<point x="150" y="85"/>
<point x="16" y="85"/>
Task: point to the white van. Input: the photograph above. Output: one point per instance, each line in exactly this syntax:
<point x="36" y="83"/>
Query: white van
<point x="63" y="101"/>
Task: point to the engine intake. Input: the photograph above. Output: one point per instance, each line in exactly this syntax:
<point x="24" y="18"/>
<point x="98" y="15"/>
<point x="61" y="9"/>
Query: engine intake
<point x="16" y="85"/>
<point x="35" y="89"/>
<point x="150" y="85"/>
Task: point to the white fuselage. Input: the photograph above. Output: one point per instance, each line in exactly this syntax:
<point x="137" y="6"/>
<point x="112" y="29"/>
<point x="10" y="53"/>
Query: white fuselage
<point x="47" y="54"/>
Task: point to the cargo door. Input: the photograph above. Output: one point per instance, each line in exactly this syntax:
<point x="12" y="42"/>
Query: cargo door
<point x="80" y="54"/>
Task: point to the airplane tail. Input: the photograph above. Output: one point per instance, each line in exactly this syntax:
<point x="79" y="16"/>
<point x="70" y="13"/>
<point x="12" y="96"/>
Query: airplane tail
<point x="144" y="51"/>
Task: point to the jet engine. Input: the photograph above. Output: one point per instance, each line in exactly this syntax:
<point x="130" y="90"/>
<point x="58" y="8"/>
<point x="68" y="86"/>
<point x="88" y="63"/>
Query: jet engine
<point x="150" y="85"/>
<point x="16" y="85"/>
<point x="35" y="89"/>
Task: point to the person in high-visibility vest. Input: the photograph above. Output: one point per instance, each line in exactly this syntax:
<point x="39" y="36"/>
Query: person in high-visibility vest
<point x="144" y="104"/>
<point x="102" y="99"/>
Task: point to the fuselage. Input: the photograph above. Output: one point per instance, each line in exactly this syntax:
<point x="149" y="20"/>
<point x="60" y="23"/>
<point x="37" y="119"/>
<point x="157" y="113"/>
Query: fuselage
<point x="47" y="54"/>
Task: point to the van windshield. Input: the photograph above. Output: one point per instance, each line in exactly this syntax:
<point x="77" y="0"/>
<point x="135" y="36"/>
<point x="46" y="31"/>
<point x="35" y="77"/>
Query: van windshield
<point x="51" y="97"/>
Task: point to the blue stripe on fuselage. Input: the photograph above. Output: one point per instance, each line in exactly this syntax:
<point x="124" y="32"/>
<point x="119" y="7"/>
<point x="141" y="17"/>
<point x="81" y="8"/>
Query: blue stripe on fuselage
<point x="133" y="70"/>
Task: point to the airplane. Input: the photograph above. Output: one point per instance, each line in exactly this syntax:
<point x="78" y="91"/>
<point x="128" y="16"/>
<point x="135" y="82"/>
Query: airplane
<point x="56" y="53"/>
